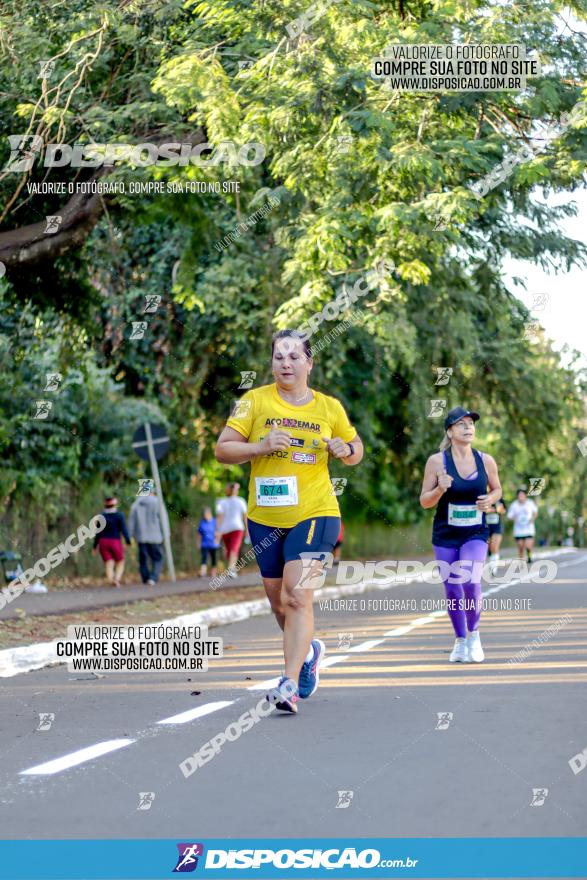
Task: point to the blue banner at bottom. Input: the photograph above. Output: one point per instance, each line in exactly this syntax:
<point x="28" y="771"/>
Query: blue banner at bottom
<point x="275" y="858"/>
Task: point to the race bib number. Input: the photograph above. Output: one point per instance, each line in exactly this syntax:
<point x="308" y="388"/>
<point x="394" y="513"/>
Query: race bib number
<point x="464" y="515"/>
<point x="492" y="518"/>
<point x="276" y="491"/>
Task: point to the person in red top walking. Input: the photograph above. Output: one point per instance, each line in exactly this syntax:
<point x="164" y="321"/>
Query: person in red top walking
<point x="108" y="542"/>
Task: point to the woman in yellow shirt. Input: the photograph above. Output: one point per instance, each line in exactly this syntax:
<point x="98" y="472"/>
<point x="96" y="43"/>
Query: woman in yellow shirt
<point x="288" y="431"/>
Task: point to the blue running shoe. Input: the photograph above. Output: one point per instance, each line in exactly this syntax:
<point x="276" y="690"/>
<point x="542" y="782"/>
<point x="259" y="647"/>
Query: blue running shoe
<point x="309" y="673"/>
<point x="285" y="695"/>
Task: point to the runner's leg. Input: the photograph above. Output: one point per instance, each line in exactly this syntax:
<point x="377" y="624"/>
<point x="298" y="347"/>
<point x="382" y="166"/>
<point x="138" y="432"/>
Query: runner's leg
<point x="118" y="572"/>
<point x="529" y="548"/>
<point x="273" y="590"/>
<point x="298" y="605"/>
<point x="109" y="565"/>
<point x="143" y="562"/>
<point x="473" y="553"/>
<point x="454" y="591"/>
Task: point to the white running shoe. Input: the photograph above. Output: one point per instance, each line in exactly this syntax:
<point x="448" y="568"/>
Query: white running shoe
<point x="475" y="651"/>
<point x="459" y="653"/>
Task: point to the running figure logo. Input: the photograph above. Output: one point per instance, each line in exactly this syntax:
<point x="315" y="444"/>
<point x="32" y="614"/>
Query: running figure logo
<point x="338" y="485"/>
<point x="53" y="223"/>
<point x="536" y="486"/>
<point x="344" y="641"/>
<point x="313" y="576"/>
<point x="344" y="142"/>
<point x="539" y="795"/>
<point x="187" y="859"/>
<point x="240" y="409"/>
<point x="138" y="329"/>
<point x="152" y="302"/>
<point x="247" y="378"/>
<point x="531" y="331"/>
<point x="444" y="719"/>
<point x="437" y="408"/>
<point x="46" y="69"/>
<point x="344" y="799"/>
<point x="540" y="302"/>
<point x="146" y="799"/>
<point x="53" y="381"/>
<point x="42" y="409"/>
<point x="443" y="375"/>
<point x="145" y="487"/>
<point x="46" y="719"/>
<point x="23" y="152"/>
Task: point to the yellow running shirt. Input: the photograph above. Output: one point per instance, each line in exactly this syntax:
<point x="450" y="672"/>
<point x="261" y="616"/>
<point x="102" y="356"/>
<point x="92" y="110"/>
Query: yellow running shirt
<point x="287" y="487"/>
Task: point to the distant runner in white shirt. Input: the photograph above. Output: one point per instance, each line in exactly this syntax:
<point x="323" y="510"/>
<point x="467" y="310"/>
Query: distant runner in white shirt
<point x="231" y="518"/>
<point x="523" y="512"/>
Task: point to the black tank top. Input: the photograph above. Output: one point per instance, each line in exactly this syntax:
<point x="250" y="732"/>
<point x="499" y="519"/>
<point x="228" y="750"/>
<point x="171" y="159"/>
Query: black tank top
<point x="456" y="519"/>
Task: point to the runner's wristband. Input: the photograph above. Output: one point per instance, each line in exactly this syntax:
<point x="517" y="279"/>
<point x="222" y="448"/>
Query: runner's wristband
<point x="352" y="448"/>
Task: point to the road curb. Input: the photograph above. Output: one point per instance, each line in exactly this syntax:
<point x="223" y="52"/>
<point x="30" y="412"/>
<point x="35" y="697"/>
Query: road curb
<point x="27" y="658"/>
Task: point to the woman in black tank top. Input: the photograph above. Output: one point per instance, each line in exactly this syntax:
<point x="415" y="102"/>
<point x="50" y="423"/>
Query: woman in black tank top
<point x="456" y="482"/>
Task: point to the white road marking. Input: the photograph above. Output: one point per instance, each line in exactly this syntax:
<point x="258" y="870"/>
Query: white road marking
<point x="332" y="660"/>
<point x="265" y="685"/>
<point x="79" y="757"/>
<point x="398" y="631"/>
<point x="198" y="712"/>
<point x="365" y="646"/>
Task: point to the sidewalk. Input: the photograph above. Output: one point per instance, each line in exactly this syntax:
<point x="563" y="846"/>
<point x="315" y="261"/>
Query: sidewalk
<point x="65" y="601"/>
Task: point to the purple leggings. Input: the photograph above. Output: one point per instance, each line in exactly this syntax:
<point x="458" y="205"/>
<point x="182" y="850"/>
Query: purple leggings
<point x="465" y="598"/>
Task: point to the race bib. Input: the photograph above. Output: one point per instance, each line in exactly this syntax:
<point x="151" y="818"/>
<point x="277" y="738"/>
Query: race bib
<point x="464" y="515"/>
<point x="276" y="491"/>
<point x="492" y="518"/>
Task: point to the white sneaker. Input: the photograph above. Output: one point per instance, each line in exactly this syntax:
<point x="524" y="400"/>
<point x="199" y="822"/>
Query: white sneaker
<point x="38" y="587"/>
<point x="475" y="651"/>
<point x="459" y="653"/>
<point x="231" y="573"/>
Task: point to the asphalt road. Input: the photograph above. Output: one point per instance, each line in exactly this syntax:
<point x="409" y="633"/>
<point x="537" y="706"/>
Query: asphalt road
<point x="372" y="729"/>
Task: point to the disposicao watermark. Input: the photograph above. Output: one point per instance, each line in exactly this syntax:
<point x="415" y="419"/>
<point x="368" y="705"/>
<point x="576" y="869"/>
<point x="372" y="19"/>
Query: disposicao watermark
<point x="463" y="571"/>
<point x="54" y="557"/>
<point x="26" y="148"/>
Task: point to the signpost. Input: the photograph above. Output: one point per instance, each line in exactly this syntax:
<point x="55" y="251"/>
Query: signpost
<point x="150" y="442"/>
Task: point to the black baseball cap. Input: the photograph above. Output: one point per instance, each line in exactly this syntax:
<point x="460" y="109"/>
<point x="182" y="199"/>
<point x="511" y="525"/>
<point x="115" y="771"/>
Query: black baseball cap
<point x="457" y="414"/>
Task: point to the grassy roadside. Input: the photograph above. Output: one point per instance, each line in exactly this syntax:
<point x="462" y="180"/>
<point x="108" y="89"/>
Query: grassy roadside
<point x="30" y="629"/>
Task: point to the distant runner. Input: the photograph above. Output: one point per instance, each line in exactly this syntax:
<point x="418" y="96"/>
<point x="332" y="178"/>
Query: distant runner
<point x="288" y="431"/>
<point x="523" y="511"/>
<point x="231" y="518"/>
<point x="455" y="482"/>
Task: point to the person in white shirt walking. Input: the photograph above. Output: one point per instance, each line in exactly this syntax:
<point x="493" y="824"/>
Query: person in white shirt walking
<point x="231" y="518"/>
<point x="523" y="511"/>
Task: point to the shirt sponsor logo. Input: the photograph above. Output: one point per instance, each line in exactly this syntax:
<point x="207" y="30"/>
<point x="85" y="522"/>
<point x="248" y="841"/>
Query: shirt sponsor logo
<point x="296" y="441"/>
<point x="293" y="423"/>
<point x="304" y="457"/>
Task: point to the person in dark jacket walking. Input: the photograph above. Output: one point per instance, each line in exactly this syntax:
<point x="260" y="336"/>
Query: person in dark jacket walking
<point x="108" y="542"/>
<point x="148" y="525"/>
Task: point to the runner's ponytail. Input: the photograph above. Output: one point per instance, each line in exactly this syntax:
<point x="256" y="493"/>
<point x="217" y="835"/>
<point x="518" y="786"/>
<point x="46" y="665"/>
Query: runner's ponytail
<point x="445" y="444"/>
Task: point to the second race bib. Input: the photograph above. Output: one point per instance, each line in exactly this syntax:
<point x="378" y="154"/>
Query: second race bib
<point x="276" y="491"/>
<point x="464" y="515"/>
<point x="492" y="518"/>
